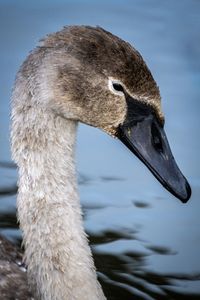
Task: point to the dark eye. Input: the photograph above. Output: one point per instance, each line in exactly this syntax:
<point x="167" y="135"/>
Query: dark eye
<point x="118" y="87"/>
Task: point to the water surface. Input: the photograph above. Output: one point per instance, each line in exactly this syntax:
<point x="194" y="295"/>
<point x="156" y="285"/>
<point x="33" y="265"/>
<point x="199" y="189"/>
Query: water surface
<point x="145" y="242"/>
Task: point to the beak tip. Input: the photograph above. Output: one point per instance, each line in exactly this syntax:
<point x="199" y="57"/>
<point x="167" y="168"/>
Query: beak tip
<point x="188" y="193"/>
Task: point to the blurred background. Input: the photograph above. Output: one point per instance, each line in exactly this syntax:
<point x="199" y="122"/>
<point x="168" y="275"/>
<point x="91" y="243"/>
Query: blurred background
<point x="146" y="243"/>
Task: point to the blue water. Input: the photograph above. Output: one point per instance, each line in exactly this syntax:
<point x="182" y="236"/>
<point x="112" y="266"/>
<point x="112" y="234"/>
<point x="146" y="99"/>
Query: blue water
<point x="146" y="243"/>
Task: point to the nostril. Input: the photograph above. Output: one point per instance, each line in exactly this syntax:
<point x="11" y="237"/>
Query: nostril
<point x="156" y="138"/>
<point x="157" y="143"/>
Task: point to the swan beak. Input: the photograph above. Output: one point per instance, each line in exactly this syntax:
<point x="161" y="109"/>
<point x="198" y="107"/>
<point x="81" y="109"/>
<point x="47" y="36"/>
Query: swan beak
<point x="146" y="138"/>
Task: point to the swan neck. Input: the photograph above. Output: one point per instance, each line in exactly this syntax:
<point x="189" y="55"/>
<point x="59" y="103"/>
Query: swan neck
<point x="59" y="260"/>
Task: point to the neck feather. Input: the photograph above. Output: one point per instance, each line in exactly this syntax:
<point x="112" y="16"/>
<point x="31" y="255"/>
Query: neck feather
<point x="60" y="265"/>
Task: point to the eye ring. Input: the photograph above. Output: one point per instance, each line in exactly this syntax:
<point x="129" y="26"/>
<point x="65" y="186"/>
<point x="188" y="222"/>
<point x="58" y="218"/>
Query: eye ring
<point x="116" y="87"/>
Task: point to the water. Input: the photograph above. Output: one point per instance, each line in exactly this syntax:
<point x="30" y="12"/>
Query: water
<point x="145" y="242"/>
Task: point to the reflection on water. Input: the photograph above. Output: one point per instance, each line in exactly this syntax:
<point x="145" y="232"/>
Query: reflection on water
<point x="141" y="204"/>
<point x="122" y="275"/>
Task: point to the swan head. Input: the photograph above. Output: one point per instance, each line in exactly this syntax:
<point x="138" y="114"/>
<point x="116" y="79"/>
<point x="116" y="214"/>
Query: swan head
<point x="104" y="82"/>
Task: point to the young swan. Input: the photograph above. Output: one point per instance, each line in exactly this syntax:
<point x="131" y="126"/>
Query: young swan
<point x="89" y="75"/>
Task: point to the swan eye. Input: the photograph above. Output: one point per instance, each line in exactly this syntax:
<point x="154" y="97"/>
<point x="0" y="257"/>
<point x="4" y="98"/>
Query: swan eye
<point x="118" y="87"/>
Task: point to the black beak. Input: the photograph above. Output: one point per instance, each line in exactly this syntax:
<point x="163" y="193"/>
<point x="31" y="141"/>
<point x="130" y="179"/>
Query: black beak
<point x="145" y="137"/>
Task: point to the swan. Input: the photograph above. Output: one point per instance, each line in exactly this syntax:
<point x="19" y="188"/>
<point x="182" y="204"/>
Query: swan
<point x="79" y="74"/>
